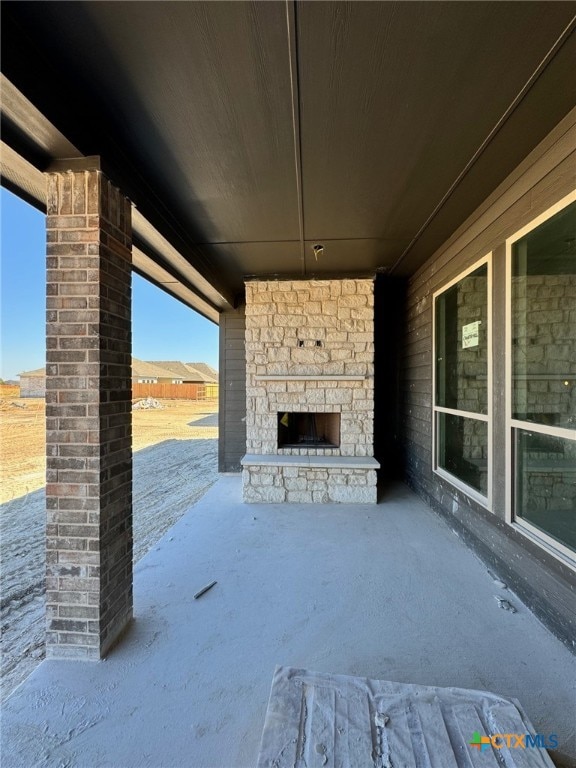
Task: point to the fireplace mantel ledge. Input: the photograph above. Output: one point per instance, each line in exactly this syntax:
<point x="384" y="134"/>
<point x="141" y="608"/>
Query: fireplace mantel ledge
<point x="314" y="462"/>
<point x="289" y="377"/>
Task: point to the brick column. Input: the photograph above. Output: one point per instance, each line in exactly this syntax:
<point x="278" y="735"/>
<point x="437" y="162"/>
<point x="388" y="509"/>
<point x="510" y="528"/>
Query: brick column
<point x="88" y="412"/>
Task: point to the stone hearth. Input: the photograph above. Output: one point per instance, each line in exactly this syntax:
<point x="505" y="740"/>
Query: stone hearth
<point x="310" y="350"/>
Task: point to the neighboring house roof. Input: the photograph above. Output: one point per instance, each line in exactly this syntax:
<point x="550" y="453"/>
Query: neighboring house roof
<point x="160" y="369"/>
<point x="206" y="369"/>
<point x="141" y="369"/>
<point x="198" y="375"/>
<point x="179" y="370"/>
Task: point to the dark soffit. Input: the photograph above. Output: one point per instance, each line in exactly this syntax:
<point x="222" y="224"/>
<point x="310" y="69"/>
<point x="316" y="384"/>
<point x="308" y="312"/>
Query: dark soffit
<point x="416" y="88"/>
<point x="188" y="102"/>
<point x="191" y="104"/>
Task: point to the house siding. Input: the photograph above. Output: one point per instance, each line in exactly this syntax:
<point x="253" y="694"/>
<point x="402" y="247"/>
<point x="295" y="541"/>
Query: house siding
<point x="232" y="391"/>
<point x="546" y="585"/>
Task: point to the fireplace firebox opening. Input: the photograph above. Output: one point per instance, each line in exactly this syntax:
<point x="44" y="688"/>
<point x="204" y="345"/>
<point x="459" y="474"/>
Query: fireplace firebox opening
<point x="308" y="430"/>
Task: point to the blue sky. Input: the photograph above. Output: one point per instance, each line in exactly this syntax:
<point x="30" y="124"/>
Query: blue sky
<point x="163" y="328"/>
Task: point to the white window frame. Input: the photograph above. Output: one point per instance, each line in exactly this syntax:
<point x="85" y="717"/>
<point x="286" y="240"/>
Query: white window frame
<point x="554" y="547"/>
<point x="485" y="501"/>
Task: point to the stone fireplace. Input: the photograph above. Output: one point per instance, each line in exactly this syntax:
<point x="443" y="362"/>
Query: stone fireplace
<point x="310" y="391"/>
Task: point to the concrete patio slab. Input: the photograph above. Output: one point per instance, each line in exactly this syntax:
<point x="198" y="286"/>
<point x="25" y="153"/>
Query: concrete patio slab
<point x="384" y="592"/>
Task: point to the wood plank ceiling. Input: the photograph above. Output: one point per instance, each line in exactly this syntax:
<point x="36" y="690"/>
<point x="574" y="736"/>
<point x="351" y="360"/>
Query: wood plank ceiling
<point x="248" y="132"/>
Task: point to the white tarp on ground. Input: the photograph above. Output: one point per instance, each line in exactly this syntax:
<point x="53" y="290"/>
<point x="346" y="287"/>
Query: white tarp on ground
<point x="334" y="721"/>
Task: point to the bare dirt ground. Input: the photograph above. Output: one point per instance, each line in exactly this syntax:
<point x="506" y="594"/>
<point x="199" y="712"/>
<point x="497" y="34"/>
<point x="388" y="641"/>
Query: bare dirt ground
<point x="175" y="462"/>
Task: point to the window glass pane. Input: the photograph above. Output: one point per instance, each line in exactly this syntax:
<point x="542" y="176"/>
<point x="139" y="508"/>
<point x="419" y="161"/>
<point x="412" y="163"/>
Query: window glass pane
<point x="463" y="449"/>
<point x="544" y="322"/>
<point x="546" y="484"/>
<point x="462" y="344"/>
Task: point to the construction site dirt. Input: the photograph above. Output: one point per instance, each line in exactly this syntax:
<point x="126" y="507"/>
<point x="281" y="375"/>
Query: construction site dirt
<point x="175" y="462"/>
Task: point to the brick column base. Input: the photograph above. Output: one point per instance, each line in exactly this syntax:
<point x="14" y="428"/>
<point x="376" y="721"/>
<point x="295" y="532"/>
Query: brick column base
<point x="88" y="413"/>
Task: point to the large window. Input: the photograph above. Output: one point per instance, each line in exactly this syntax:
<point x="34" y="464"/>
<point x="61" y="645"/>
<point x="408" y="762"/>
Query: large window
<point x="542" y="360"/>
<point x="462" y="382"/>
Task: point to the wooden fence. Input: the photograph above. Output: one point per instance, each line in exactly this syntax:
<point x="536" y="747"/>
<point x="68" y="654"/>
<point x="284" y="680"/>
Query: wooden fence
<point x="175" y="391"/>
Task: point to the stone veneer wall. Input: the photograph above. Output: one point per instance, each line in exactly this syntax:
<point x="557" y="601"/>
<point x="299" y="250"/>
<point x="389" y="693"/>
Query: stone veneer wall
<point x="285" y="322"/>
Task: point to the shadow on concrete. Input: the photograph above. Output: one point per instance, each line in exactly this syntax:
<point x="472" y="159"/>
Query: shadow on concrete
<point x="211" y="420"/>
<point x="168" y="478"/>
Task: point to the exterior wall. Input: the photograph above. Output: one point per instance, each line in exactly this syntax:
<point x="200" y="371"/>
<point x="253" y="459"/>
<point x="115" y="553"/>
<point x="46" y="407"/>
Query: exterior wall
<point x="232" y="391"/>
<point x="547" y="585"/>
<point x="88" y="415"/>
<point x="32" y="386"/>
<point x="323" y="332"/>
<point x="389" y="305"/>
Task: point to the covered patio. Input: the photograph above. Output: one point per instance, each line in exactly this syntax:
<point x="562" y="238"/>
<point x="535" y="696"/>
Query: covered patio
<point x="355" y="193"/>
<point x="385" y="591"/>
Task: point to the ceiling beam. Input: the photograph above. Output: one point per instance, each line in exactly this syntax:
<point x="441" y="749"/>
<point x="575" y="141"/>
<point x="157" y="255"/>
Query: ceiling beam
<point x="292" y="30"/>
<point x="39" y="147"/>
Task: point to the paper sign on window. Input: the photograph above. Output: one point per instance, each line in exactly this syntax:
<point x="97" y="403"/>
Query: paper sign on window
<point x="471" y="335"/>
